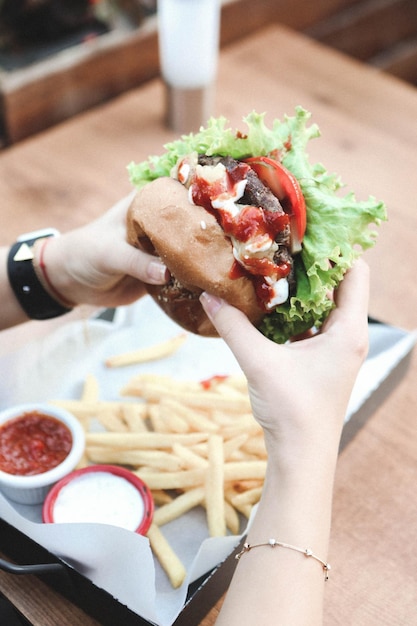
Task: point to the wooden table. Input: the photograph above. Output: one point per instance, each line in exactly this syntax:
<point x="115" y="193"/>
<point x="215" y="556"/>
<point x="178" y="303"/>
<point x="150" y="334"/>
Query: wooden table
<point x="74" y="172"/>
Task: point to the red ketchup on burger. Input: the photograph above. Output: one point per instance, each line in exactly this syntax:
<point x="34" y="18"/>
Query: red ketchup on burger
<point x="258" y="233"/>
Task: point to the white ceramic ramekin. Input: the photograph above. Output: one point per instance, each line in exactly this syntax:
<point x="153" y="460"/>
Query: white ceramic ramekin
<point x="33" y="489"/>
<point x="107" y="494"/>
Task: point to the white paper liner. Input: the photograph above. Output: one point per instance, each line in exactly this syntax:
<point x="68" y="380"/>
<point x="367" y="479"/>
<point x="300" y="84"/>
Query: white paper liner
<point x="55" y="366"/>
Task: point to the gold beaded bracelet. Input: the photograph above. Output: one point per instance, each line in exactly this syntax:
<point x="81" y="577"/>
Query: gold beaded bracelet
<point x="274" y="543"/>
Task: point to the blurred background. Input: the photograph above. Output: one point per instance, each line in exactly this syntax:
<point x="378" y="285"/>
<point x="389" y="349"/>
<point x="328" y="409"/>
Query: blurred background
<point x="60" y="57"/>
<point x="31" y="30"/>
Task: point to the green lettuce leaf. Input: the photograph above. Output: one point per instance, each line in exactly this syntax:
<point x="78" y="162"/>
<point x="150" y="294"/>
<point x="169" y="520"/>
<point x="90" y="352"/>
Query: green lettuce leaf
<point x="339" y="228"/>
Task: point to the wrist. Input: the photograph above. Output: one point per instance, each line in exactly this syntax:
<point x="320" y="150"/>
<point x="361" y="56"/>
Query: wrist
<point x="296" y="502"/>
<point x="28" y="279"/>
<point x="303" y="451"/>
<point x="47" y="273"/>
<point x="313" y="473"/>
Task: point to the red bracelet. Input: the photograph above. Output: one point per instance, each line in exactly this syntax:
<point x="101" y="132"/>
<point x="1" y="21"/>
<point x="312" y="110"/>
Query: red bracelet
<point x="44" y="272"/>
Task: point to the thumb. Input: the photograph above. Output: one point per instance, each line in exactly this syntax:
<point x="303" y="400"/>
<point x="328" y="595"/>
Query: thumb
<point x="124" y="259"/>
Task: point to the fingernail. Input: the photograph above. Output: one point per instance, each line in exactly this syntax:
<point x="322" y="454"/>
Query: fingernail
<point x="158" y="272"/>
<point x="211" y="304"/>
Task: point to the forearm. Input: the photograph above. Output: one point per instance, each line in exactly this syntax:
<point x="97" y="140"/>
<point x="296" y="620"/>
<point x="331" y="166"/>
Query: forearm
<point x="11" y="313"/>
<point x="93" y="265"/>
<point x="299" y="394"/>
<point x="279" y="585"/>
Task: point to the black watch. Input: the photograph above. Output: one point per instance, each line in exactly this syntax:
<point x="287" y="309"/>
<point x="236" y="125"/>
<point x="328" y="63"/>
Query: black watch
<point x="29" y="291"/>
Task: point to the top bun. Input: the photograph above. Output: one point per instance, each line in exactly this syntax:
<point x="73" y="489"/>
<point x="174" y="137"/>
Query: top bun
<point x="191" y="243"/>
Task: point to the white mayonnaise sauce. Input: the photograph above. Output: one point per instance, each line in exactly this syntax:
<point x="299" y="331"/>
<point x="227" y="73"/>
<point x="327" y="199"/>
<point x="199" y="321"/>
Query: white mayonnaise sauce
<point x="100" y="497"/>
<point x="227" y="201"/>
<point x="184" y="172"/>
<point x="280" y="290"/>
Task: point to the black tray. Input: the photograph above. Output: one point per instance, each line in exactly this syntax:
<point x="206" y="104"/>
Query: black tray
<point x="99" y="604"/>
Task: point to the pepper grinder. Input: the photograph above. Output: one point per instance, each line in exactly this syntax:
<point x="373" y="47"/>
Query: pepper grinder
<point x="188" y="49"/>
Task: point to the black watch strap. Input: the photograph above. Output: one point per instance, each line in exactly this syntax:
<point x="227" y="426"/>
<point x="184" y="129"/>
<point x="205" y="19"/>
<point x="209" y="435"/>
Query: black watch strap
<point x="29" y="291"/>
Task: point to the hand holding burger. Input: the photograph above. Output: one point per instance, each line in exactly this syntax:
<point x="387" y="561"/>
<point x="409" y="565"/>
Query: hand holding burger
<point x="248" y="218"/>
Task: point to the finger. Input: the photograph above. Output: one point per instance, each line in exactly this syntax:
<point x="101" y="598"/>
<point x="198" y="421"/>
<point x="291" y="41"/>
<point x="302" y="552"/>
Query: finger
<point x="348" y="322"/>
<point x="157" y="272"/>
<point x="356" y="283"/>
<point x="234" y="327"/>
<point x="145" y="267"/>
<point x="352" y="295"/>
<point x="124" y="258"/>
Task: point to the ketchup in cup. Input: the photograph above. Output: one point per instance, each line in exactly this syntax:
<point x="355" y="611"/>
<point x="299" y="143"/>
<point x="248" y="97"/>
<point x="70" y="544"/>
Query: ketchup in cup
<point x="39" y="444"/>
<point x="33" y="443"/>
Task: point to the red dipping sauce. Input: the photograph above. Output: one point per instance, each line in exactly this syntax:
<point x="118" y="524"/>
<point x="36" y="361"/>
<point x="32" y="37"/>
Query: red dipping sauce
<point x="33" y="443"/>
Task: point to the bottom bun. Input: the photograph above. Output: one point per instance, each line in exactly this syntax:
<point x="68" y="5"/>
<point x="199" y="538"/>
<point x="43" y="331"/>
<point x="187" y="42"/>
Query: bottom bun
<point x="192" y="245"/>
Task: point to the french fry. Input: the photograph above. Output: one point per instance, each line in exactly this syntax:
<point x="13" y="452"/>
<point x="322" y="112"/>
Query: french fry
<point x="179" y="506"/>
<point x="255" y="446"/>
<point x="134" y="418"/>
<point x="239" y="486"/>
<point x="231" y="445"/>
<point x="166" y="556"/>
<point x="251" y="496"/>
<point x="232" y="518"/>
<point x="214" y="487"/>
<point x="148" y="353"/>
<point x="173" y="420"/>
<point x="158" y="424"/>
<point x="88" y="409"/>
<point x="244" y="508"/>
<point x="237" y="381"/>
<point x="241" y="456"/>
<point x="245" y="424"/>
<point x="161" y="497"/>
<point x="140" y="382"/>
<point x="172" y="480"/>
<point x="156" y="459"/>
<point x="90" y="392"/>
<point x="201" y="449"/>
<point x="112" y="420"/>
<point x="223" y="418"/>
<point x="196" y="420"/>
<point x="190" y="458"/>
<point x="148" y="440"/>
<point x="244" y="470"/>
<point x="229" y="390"/>
<point x="154" y="392"/>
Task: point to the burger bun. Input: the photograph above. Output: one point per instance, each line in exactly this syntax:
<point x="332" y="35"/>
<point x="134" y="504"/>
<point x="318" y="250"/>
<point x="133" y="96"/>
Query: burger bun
<point x="197" y="253"/>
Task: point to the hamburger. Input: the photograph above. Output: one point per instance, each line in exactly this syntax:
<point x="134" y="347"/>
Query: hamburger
<point x="247" y="217"/>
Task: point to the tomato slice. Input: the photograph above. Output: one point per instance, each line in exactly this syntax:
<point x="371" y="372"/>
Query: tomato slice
<point x="286" y="188"/>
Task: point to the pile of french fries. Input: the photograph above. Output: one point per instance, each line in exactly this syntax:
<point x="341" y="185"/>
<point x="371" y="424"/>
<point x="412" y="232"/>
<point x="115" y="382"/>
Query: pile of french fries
<point x="194" y="443"/>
